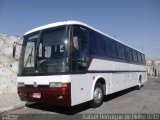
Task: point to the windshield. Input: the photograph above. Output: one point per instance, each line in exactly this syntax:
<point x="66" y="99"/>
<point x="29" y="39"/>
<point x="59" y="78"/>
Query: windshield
<point x="45" y="52"/>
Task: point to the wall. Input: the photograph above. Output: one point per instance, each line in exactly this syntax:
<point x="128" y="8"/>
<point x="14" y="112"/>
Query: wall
<point x="153" y="68"/>
<point x="8" y="65"/>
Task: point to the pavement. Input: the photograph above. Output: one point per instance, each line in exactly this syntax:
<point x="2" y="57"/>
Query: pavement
<point x="10" y="101"/>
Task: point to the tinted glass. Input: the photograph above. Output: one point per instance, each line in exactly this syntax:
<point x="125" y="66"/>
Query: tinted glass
<point x="130" y="57"/>
<point x="121" y="51"/>
<point x="111" y="48"/>
<point x="139" y="57"/>
<point x="143" y="59"/>
<point x="101" y="45"/>
<point x="97" y="43"/>
<point x="93" y="42"/>
<point x="134" y="55"/>
<point x="80" y="56"/>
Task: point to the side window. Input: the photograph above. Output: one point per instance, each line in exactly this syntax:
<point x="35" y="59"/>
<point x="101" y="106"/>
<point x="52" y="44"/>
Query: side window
<point x="139" y="57"/>
<point x="80" y="49"/>
<point x="93" y="46"/>
<point x="121" y="51"/>
<point x="97" y="43"/>
<point x="134" y="56"/>
<point x="130" y="57"/>
<point x="111" y="48"/>
<point x="100" y="43"/>
<point x="143" y="59"/>
<point x="106" y="44"/>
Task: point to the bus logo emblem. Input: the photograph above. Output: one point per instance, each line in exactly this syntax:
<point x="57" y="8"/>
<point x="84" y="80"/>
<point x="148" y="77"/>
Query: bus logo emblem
<point x="35" y="84"/>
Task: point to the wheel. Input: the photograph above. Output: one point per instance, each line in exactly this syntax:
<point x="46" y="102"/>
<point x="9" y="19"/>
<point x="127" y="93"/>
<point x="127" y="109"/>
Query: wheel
<point x="28" y="104"/>
<point x="139" y="84"/>
<point x="98" y="96"/>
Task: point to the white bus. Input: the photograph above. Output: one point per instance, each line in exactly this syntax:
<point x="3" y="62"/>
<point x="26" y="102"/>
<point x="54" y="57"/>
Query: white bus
<point x="70" y="62"/>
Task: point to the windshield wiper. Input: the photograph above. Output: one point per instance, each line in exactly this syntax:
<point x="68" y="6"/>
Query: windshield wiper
<point x="29" y="58"/>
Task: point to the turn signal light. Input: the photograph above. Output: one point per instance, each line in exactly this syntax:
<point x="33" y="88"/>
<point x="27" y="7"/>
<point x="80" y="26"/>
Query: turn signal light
<point x="58" y="84"/>
<point x="64" y="84"/>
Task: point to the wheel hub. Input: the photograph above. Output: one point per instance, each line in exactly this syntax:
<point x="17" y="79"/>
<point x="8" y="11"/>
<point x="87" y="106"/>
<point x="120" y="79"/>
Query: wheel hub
<point x="97" y="94"/>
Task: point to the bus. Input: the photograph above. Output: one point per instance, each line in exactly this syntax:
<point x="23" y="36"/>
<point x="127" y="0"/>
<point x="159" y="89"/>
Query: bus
<point x="69" y="63"/>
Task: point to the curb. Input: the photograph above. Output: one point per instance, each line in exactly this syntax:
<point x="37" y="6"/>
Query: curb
<point x="11" y="108"/>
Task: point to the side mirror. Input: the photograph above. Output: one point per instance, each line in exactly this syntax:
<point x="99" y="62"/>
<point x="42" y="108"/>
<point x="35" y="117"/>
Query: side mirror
<point x="14" y="50"/>
<point x="75" y="43"/>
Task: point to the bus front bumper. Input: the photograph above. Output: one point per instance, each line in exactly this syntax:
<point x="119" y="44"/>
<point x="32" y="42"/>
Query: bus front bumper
<point x="46" y="95"/>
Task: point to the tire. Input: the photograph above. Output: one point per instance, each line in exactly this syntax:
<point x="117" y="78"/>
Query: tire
<point x="28" y="104"/>
<point x="98" y="96"/>
<point x="139" y="84"/>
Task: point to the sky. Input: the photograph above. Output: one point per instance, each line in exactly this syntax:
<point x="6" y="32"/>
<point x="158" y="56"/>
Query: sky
<point x="134" y="22"/>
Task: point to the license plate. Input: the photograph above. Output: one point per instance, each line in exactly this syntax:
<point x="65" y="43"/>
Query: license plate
<point x="36" y="95"/>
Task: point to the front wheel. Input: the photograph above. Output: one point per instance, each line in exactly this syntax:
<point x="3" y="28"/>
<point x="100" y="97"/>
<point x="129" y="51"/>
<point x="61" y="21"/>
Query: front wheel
<point x="98" y="96"/>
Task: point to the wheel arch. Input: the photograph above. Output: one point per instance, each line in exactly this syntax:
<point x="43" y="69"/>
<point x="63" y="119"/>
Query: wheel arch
<point x="140" y="77"/>
<point x="97" y="79"/>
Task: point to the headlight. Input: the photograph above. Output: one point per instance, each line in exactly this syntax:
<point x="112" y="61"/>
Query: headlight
<point x="21" y="84"/>
<point x="58" y="84"/>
